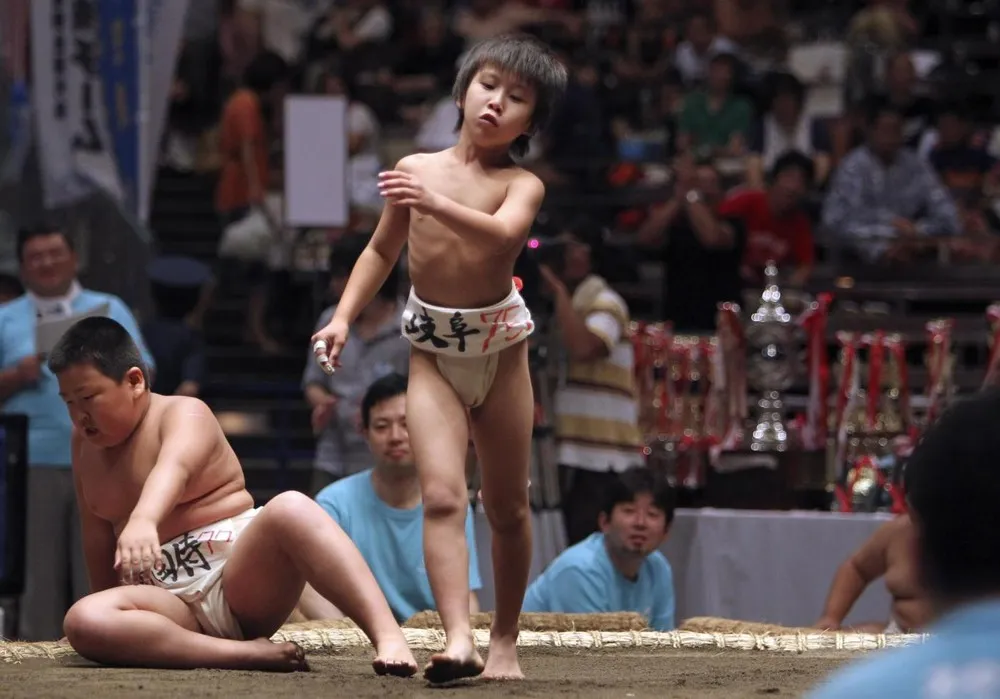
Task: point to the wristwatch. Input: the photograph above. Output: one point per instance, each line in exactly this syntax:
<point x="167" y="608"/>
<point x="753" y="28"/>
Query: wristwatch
<point x="693" y="197"/>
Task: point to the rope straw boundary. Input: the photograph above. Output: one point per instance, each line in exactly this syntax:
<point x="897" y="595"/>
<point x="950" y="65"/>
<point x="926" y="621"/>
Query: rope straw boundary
<point x="328" y="641"/>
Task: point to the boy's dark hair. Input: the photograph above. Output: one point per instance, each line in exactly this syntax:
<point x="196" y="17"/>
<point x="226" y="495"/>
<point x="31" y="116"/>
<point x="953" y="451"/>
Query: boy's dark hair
<point x="381" y="390"/>
<point x="101" y="342"/>
<point x="794" y="160"/>
<point x="953" y="487"/>
<point x="26" y="234"/>
<point x="344" y="255"/>
<point x="636" y="481"/>
<point x="527" y="58"/>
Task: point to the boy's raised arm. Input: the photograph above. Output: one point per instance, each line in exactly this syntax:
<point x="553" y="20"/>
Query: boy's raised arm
<point x="508" y="226"/>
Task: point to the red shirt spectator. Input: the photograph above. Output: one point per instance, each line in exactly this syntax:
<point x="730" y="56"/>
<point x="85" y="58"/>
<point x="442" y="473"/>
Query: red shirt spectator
<point x="777" y="227"/>
<point x="786" y="240"/>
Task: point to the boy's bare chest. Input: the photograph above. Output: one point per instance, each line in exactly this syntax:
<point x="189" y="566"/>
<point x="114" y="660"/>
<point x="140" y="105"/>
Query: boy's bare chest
<point x="112" y="480"/>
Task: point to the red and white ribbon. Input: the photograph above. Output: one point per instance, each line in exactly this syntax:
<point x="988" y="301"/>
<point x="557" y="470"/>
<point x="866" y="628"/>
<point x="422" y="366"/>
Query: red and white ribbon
<point x="815" y="427"/>
<point x="847" y="394"/>
<point x="938" y="356"/>
<point x="733" y="341"/>
<point x="876" y="351"/>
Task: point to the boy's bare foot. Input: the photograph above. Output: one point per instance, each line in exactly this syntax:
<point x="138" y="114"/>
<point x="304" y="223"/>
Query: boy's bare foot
<point x="276" y="657"/>
<point x="502" y="663"/>
<point x="394" y="658"/>
<point x="459" y="660"/>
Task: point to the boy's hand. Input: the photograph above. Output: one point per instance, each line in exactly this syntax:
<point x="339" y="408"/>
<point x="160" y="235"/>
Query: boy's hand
<point x="328" y="343"/>
<point x="138" y="551"/>
<point x="405" y="189"/>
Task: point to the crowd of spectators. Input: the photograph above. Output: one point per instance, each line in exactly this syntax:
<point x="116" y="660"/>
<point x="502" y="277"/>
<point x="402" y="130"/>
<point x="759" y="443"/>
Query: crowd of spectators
<point x="669" y="101"/>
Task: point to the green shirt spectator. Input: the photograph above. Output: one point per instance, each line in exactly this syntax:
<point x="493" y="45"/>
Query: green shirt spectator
<point x="715" y="119"/>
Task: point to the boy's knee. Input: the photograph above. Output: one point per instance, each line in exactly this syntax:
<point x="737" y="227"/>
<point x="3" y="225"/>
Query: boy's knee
<point x="507" y="516"/>
<point x="289" y="505"/>
<point x="441" y="501"/>
<point x="81" y="623"/>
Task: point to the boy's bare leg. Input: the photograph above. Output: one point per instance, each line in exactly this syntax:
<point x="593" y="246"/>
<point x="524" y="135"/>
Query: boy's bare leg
<point x="501" y="430"/>
<point x="439" y="437"/>
<point x="314" y="607"/>
<point x="146" y="626"/>
<point x="293" y="541"/>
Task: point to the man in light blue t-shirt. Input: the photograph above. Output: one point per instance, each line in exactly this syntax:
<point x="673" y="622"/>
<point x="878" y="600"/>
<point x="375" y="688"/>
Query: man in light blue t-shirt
<point x="953" y="490"/>
<point x="620" y="568"/>
<point x="380" y="510"/>
<point x="55" y="572"/>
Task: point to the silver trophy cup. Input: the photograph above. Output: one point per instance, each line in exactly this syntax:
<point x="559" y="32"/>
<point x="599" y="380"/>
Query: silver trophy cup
<point x="772" y="346"/>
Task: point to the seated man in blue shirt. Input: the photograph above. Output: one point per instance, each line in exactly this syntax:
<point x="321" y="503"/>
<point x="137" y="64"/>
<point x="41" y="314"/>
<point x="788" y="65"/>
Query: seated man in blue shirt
<point x="953" y="488"/>
<point x="618" y="569"/>
<point x="380" y="510"/>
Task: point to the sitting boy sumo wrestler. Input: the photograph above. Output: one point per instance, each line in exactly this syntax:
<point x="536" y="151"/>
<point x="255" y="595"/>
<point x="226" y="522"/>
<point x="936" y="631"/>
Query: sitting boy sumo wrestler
<point x="151" y="469"/>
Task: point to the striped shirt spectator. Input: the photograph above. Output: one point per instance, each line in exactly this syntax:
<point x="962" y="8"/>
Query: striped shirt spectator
<point x="596" y="411"/>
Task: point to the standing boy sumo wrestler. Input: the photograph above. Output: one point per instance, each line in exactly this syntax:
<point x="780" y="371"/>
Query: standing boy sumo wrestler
<point x="151" y="469"/>
<point x="465" y="214"/>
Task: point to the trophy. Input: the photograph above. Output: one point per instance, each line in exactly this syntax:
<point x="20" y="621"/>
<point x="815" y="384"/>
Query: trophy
<point x="651" y="345"/>
<point x="771" y="336"/>
<point x="864" y="481"/>
<point x="872" y="422"/>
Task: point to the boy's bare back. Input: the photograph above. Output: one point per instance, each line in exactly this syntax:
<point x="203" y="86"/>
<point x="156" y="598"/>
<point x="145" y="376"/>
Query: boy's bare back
<point x="446" y="267"/>
<point x="111" y="480"/>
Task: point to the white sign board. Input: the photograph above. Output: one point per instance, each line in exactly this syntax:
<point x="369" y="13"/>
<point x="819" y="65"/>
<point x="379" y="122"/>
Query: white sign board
<point x="316" y="192"/>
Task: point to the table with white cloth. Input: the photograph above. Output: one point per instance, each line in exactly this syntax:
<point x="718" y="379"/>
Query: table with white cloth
<point x="765" y="566"/>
